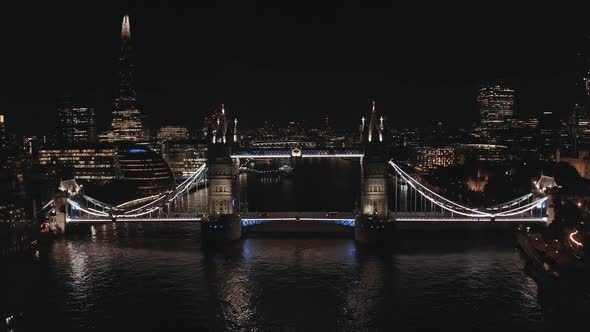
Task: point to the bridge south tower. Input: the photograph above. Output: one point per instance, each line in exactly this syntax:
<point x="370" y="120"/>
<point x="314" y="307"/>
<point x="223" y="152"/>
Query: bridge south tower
<point x="374" y="163"/>
<point x="223" y="223"/>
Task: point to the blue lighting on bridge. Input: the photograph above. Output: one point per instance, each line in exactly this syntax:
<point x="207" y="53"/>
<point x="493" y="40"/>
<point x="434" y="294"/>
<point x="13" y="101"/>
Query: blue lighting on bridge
<point x="258" y="221"/>
<point x="541" y="205"/>
<point x="137" y="151"/>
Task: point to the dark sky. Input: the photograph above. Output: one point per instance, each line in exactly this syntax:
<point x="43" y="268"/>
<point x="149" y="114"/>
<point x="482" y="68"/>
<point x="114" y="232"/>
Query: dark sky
<point x="295" y="62"/>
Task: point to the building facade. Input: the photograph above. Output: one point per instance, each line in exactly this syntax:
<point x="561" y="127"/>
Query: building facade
<point x="91" y="164"/>
<point x="185" y="157"/>
<point x="172" y="133"/>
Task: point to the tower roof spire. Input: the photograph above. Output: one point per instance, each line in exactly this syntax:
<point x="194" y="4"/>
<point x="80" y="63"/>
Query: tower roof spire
<point x="375" y="124"/>
<point x="125" y="28"/>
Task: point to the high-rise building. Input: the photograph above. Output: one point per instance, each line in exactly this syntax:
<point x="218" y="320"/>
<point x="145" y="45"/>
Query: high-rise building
<point x="3" y="136"/>
<point x="580" y="126"/>
<point x="553" y="135"/>
<point x="579" y="120"/>
<point x="496" y="109"/>
<point x="126" y="123"/>
<point x="496" y="102"/>
<point x="76" y="125"/>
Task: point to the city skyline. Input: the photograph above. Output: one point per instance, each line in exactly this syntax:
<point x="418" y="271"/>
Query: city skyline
<point x="306" y="68"/>
<point x="325" y="167"/>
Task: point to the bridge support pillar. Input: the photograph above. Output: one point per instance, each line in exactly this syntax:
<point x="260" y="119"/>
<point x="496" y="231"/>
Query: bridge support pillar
<point x="374" y="231"/>
<point x="221" y="230"/>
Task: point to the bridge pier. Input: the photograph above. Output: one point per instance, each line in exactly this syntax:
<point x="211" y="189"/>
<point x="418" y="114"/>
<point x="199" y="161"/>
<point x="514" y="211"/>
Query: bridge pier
<point x="221" y="230"/>
<point x="374" y="231"/>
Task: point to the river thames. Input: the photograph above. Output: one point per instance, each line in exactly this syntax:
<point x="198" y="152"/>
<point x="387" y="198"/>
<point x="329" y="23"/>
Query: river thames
<point x="158" y="277"/>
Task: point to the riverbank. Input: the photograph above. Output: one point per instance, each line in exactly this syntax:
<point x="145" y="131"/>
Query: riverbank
<point x="550" y="262"/>
<point x="18" y="238"/>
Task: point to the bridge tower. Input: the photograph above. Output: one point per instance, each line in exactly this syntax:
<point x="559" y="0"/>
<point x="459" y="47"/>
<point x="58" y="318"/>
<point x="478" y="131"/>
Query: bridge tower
<point x="58" y="220"/>
<point x="223" y="223"/>
<point x="374" y="166"/>
<point x="370" y="224"/>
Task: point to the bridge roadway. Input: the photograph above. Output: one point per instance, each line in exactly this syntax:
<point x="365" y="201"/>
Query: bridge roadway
<point x="437" y="217"/>
<point x="248" y="218"/>
<point x="344" y="218"/>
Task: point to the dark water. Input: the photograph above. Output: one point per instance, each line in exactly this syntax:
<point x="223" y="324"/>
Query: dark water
<point x="157" y="277"/>
<point x="315" y="185"/>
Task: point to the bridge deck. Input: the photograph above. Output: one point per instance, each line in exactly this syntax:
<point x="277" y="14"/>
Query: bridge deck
<point x="339" y="217"/>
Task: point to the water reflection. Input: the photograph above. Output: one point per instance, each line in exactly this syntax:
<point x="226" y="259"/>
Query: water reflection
<point x="129" y="277"/>
<point x="232" y="293"/>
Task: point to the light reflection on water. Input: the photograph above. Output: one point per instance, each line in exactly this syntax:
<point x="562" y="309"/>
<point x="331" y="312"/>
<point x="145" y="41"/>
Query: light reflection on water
<point x="151" y="275"/>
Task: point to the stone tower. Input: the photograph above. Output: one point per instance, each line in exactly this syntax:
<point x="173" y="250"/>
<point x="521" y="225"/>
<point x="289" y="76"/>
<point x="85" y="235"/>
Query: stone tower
<point x="220" y="170"/>
<point x="223" y="223"/>
<point x="374" y="163"/>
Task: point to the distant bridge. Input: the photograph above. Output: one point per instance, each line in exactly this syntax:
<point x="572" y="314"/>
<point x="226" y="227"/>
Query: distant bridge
<point x="297" y="152"/>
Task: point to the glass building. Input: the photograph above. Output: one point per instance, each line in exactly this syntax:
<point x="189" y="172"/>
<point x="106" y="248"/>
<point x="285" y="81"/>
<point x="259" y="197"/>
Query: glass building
<point x="126" y="125"/>
<point x="143" y="168"/>
<point x="76" y="125"/>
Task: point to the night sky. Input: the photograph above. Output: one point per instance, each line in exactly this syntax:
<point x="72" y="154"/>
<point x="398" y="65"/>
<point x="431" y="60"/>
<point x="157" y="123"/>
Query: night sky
<point x="291" y="63"/>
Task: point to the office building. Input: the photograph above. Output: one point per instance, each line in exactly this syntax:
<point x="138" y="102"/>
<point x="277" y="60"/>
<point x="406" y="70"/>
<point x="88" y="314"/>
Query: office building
<point x="76" y="125"/>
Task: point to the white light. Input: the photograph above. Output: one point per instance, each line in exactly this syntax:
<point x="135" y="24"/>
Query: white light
<point x="574" y="240"/>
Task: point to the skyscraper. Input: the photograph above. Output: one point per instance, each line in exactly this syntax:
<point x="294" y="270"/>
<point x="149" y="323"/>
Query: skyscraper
<point x="580" y="116"/>
<point x="75" y="124"/>
<point x="496" y="107"/>
<point x="126" y="123"/>
<point x="496" y="102"/>
<point x="3" y="137"/>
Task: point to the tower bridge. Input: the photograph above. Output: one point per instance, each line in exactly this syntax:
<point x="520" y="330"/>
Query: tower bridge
<point x="221" y="220"/>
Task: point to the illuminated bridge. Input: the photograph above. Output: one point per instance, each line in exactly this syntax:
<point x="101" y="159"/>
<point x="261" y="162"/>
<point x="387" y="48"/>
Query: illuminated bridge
<point x="412" y="201"/>
<point x="389" y="195"/>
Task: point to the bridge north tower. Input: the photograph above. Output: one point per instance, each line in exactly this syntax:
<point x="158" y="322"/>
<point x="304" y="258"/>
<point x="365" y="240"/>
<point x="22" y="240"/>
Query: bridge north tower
<point x="374" y="166"/>
<point x="220" y="171"/>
